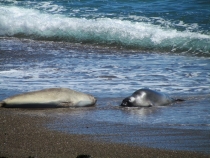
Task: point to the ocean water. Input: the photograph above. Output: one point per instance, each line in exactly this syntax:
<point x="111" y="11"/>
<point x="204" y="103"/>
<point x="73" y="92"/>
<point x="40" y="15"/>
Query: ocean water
<point x="110" y="49"/>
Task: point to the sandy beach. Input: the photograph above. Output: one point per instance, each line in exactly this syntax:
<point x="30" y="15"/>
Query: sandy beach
<point x="108" y="49"/>
<point x="26" y="136"/>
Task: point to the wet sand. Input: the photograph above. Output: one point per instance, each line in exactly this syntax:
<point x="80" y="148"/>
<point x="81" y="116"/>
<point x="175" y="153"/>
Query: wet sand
<point x="26" y="136"/>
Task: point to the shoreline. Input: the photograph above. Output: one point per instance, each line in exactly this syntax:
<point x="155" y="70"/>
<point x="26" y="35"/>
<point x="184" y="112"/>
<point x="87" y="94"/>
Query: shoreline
<point x="25" y="136"/>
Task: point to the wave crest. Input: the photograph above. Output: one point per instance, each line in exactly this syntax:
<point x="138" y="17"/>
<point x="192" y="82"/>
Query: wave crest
<point x="30" y="23"/>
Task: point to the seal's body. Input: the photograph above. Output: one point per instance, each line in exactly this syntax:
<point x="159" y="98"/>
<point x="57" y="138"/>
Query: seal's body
<point x="53" y="97"/>
<point x="146" y="98"/>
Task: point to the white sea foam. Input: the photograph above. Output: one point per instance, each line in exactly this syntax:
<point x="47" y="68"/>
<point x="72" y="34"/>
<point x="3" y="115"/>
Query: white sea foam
<point x="30" y="23"/>
<point x="48" y="6"/>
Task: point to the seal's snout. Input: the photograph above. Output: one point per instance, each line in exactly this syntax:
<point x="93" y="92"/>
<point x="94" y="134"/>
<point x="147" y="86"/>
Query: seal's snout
<point x="93" y="99"/>
<point x="125" y="102"/>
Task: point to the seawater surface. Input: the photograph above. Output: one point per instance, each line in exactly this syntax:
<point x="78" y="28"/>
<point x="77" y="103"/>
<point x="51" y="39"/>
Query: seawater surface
<point x="110" y="75"/>
<point x="111" y="49"/>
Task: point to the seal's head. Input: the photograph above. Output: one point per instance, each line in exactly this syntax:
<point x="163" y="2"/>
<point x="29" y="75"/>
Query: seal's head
<point x="128" y="102"/>
<point x="87" y="100"/>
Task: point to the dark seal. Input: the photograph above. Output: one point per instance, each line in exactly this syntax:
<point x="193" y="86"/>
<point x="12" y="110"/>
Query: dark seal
<point x="147" y="98"/>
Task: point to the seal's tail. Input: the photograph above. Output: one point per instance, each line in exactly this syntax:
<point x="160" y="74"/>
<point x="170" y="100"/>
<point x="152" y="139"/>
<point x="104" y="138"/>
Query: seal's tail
<point x="2" y="104"/>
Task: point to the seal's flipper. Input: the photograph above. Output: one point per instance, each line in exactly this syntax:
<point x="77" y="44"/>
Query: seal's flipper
<point x="65" y="104"/>
<point x="151" y="104"/>
<point x="179" y="100"/>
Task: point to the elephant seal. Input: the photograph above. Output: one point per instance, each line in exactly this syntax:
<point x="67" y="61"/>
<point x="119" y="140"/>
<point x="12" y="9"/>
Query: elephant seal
<point x="52" y="97"/>
<point x="146" y="98"/>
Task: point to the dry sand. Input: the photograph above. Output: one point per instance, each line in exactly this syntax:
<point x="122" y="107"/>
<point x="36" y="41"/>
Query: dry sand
<point x="25" y="136"/>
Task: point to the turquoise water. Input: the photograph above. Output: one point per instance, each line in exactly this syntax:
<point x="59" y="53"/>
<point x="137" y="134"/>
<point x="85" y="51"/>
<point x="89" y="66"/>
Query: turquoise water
<point x="162" y="26"/>
<point x="110" y="49"/>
